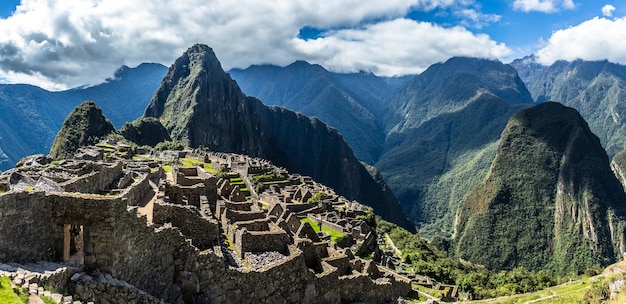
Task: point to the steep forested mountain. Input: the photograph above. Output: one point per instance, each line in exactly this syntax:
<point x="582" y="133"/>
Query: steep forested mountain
<point x="30" y="117"/>
<point x="550" y="200"/>
<point x="200" y="105"/>
<point x="443" y="126"/>
<point x="84" y="126"/>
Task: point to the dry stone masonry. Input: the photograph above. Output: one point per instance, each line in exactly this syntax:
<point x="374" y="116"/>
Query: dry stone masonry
<point x="216" y="228"/>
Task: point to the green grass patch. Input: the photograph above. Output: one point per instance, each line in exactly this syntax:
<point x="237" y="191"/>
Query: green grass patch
<point x="276" y="182"/>
<point x="190" y="162"/>
<point x="167" y="168"/>
<point x="565" y="293"/>
<point x="8" y="295"/>
<point x="335" y="235"/>
<point x="47" y="300"/>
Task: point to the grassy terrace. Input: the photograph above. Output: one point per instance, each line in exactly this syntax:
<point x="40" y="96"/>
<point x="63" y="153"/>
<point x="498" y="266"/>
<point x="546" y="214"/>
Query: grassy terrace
<point x="335" y="235"/>
<point x="8" y="295"/>
<point x="190" y="162"/>
<point x="566" y="293"/>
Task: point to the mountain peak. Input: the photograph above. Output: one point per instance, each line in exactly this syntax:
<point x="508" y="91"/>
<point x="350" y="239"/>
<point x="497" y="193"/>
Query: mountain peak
<point x="195" y="78"/>
<point x="84" y="126"/>
<point x="550" y="200"/>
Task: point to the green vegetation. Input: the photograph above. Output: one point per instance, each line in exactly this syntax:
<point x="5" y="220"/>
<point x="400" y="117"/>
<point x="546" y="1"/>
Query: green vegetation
<point x="318" y="197"/>
<point x="145" y="131"/>
<point x="84" y="126"/>
<point x="9" y="295"/>
<point x="426" y="259"/>
<point x="452" y="158"/>
<point x="514" y="210"/>
<point x="335" y="235"/>
<point x="190" y="162"/>
<point x="169" y="145"/>
<point x="47" y="300"/>
<point x="259" y="181"/>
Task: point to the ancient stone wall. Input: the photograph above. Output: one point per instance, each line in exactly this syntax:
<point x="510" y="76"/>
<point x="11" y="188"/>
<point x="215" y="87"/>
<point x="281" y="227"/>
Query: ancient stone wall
<point x="25" y="228"/>
<point x="136" y="192"/>
<point x="145" y="257"/>
<point x="96" y="214"/>
<point x="275" y="239"/>
<point x="192" y="194"/>
<point x="104" y="289"/>
<point x="95" y="182"/>
<point x="202" y="230"/>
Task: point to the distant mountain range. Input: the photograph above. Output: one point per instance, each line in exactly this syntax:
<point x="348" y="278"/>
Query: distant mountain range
<point x="30" y="117"/>
<point x="352" y="103"/>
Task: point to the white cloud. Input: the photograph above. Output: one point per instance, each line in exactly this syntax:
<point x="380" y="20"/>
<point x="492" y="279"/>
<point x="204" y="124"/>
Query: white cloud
<point x="65" y="43"/>
<point x="544" y="6"/>
<point x="595" y="39"/>
<point x="397" y="47"/>
<point x="608" y="10"/>
<point x="476" y="19"/>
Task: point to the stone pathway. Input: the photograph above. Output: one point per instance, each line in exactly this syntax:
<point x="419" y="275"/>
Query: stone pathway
<point x="30" y="276"/>
<point x="146" y="206"/>
<point x="33" y="299"/>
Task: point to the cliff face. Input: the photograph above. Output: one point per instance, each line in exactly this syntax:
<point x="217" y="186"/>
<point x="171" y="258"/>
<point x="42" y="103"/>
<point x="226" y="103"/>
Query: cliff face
<point x="550" y="200"/>
<point x="200" y="105"/>
<point x="84" y="126"/>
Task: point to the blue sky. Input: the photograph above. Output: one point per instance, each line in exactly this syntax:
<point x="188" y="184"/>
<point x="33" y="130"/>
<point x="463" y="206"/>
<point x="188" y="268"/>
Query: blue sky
<point x="59" y="44"/>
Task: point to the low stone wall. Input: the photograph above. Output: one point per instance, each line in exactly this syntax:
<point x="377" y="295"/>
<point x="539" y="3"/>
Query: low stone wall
<point x="299" y="207"/>
<point x="275" y="239"/>
<point x="203" y="231"/>
<point x="137" y="191"/>
<point x="98" y="181"/>
<point x="255" y="225"/>
<point x="177" y="193"/>
<point x="104" y="289"/>
<point x="242" y="216"/>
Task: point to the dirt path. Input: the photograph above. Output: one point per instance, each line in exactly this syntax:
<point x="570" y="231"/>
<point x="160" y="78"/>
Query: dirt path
<point x="146" y="206"/>
<point x="33" y="299"/>
<point x="390" y="243"/>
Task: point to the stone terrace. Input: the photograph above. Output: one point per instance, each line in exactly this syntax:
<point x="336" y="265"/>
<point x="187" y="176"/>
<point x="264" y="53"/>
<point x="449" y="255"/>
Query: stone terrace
<point x="189" y="236"/>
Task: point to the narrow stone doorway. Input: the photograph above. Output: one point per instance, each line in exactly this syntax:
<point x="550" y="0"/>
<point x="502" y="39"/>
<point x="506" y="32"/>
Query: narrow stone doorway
<point x="73" y="244"/>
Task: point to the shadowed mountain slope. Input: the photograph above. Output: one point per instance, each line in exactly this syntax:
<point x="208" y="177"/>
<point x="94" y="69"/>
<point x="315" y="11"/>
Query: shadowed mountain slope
<point x="316" y="92"/>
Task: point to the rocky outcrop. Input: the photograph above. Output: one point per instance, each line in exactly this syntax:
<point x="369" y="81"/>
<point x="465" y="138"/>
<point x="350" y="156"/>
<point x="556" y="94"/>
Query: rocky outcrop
<point x="550" y="200"/>
<point x="201" y="106"/>
<point x="145" y="131"/>
<point x="84" y="126"/>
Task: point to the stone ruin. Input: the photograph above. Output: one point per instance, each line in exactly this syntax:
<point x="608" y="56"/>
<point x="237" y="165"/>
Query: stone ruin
<point x="187" y="236"/>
